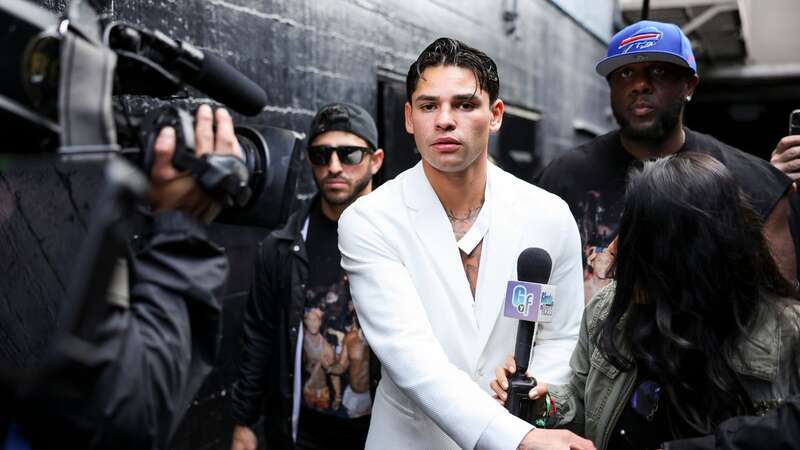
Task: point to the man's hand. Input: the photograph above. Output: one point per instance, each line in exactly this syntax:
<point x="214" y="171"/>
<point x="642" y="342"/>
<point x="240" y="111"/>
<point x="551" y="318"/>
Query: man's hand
<point x="786" y="156"/>
<point x="173" y="190"/>
<point x="243" y="438"/>
<point x="500" y="383"/>
<point x="541" y="439"/>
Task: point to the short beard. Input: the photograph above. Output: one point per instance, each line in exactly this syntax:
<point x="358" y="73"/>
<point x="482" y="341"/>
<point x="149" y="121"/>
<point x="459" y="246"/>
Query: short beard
<point x="359" y="186"/>
<point x="656" y="133"/>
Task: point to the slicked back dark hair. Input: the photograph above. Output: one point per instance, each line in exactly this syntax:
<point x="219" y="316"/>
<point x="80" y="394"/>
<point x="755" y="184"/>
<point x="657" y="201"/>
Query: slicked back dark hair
<point x="451" y="52"/>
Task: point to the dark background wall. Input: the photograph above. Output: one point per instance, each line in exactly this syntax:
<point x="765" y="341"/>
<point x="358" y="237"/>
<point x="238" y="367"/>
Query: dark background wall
<point x="304" y="53"/>
<point x="752" y="115"/>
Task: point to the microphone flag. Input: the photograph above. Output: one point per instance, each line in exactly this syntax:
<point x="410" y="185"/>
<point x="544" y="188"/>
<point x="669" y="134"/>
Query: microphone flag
<point x="531" y="302"/>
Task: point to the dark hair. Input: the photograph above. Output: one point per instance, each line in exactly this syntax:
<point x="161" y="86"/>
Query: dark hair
<point x="691" y="268"/>
<point x="450" y="52"/>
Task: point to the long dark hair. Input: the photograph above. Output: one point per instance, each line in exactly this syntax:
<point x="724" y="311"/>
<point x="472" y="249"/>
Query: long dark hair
<point x="692" y="268"/>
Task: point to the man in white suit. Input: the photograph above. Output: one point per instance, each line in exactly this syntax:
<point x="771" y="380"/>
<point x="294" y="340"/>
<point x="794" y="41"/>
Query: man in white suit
<point x="428" y="256"/>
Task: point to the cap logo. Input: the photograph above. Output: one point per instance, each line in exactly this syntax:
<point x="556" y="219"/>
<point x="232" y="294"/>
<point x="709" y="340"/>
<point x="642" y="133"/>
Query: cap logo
<point x="642" y="39"/>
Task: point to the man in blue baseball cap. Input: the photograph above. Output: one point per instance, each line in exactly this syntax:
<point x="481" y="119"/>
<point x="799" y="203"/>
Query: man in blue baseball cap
<point x="652" y="74"/>
<point x="648" y="41"/>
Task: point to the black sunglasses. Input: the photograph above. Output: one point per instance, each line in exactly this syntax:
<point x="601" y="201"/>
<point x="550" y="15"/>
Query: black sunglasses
<point x="320" y="155"/>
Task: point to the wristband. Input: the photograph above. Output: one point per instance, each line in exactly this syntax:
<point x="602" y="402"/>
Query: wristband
<point x="549" y="411"/>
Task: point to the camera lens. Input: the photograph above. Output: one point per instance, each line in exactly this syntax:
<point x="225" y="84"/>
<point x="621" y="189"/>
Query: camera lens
<point x="256" y="157"/>
<point x="273" y="157"/>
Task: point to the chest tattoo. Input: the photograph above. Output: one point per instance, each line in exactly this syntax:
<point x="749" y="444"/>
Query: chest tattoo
<point x="471" y="263"/>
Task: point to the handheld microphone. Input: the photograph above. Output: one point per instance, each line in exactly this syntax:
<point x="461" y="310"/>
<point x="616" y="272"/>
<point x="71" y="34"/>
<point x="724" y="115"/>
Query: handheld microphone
<point x="531" y="301"/>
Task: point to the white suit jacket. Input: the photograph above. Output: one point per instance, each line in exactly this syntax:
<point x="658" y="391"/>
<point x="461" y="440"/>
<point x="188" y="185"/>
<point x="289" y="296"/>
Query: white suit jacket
<point x="438" y="347"/>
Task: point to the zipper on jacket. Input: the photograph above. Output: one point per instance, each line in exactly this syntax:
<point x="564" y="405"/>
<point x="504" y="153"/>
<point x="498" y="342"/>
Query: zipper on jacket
<point x="618" y="412"/>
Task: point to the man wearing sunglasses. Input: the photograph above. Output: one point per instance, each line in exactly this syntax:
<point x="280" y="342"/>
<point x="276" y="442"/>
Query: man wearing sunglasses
<point x="305" y="357"/>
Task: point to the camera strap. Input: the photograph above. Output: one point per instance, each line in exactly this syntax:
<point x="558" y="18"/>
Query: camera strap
<point x="85" y="113"/>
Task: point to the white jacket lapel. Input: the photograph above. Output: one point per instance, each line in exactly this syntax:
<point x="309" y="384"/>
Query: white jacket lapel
<point x="499" y="263"/>
<point x="435" y="231"/>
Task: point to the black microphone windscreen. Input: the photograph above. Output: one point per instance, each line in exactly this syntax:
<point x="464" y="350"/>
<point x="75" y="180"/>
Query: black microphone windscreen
<point x="222" y="82"/>
<point x="533" y="265"/>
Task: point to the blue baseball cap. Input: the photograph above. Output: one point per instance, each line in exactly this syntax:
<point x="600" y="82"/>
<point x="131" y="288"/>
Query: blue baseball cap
<point x="647" y="40"/>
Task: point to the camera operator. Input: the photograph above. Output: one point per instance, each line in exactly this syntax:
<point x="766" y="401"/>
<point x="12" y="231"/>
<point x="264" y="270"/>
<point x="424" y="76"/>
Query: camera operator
<point x="148" y="358"/>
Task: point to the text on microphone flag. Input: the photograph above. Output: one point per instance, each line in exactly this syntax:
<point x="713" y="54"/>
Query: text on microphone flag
<point x="532" y="302"/>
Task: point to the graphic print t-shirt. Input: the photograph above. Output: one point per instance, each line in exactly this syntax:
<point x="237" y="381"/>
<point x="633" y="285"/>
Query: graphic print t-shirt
<point x="592" y="177"/>
<point x="335" y="360"/>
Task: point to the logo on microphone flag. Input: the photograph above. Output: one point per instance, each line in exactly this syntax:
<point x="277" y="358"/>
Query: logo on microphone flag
<point x="529" y="301"/>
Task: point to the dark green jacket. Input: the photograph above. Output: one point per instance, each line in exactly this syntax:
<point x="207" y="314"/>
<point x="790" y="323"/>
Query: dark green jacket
<point x="592" y="402"/>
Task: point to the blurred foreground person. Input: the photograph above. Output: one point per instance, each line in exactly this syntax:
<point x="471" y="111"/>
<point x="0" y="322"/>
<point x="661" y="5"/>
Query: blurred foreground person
<point x="150" y="353"/>
<point x="698" y="327"/>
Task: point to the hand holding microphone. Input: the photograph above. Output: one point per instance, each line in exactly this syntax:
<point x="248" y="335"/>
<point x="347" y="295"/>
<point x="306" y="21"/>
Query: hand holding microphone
<point x="531" y="301"/>
<point x="500" y="386"/>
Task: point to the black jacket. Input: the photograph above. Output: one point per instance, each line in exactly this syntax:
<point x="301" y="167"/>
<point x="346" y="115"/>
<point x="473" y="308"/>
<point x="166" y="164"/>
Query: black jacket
<point x="148" y="360"/>
<point x="271" y="323"/>
<point x="777" y="430"/>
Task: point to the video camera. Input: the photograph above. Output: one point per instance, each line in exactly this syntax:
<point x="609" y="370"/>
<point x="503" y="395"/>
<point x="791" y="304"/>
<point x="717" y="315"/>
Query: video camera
<point x="57" y="78"/>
